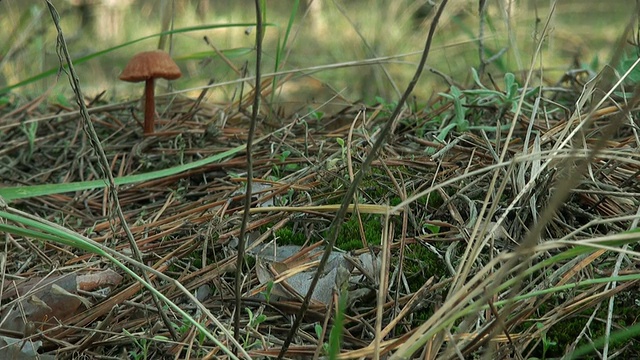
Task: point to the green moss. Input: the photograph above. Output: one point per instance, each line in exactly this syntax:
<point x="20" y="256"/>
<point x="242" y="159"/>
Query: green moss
<point x="350" y="237"/>
<point x="286" y="236"/>
<point x="434" y="200"/>
<point x="249" y="262"/>
<point x="566" y="331"/>
<point x="420" y="264"/>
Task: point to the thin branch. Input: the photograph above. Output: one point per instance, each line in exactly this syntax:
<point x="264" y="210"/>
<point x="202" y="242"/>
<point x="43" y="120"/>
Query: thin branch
<point x="346" y="200"/>
<point x="64" y="57"/>
<point x="247" y="198"/>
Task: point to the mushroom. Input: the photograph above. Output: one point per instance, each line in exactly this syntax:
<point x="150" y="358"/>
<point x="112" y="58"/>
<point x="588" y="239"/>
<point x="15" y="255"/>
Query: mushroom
<point x="146" y="66"/>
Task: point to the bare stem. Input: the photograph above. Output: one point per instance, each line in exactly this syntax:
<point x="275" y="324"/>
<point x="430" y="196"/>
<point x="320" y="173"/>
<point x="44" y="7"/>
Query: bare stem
<point x="247" y="198"/>
<point x="364" y="168"/>
<point x="149" y="106"/>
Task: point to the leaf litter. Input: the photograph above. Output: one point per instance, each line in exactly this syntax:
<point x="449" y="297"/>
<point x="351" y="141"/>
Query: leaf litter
<point x="186" y="224"/>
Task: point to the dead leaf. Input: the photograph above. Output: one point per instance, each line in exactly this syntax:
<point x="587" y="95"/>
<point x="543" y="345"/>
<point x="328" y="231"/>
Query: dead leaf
<point x="16" y="349"/>
<point x="45" y="302"/>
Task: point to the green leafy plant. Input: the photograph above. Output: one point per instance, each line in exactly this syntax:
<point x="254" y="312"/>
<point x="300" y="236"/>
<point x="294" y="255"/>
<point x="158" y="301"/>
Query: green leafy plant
<point x="343" y="148"/>
<point x="318" y="330"/>
<point x="285" y="199"/>
<point x="434" y="229"/>
<point x="316" y="114"/>
<point x="486" y="97"/>
<point x="254" y="323"/>
<point x="482" y="97"/>
<point x="30" y="130"/>
<point x="143" y="345"/>
<point x="459" y="121"/>
<point x="546" y="342"/>
<point x="388" y="106"/>
<point x="627" y="65"/>
<point x="267" y="292"/>
<point x="281" y="167"/>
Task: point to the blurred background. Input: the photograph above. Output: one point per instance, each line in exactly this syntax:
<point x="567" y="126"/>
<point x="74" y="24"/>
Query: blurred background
<point x="324" y="33"/>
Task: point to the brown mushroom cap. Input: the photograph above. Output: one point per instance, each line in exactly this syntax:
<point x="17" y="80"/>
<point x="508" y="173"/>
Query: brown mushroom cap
<point x="150" y="64"/>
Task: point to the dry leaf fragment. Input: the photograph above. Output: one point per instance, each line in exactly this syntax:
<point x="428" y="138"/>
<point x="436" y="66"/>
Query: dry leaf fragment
<point x="60" y="291"/>
<point x="16" y="349"/>
<point x="46" y="302"/>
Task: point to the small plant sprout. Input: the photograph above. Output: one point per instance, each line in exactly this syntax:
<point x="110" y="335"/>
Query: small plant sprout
<point x="434" y="229"/>
<point x="254" y="323"/>
<point x="30" y="130"/>
<point x="343" y="148"/>
<point x="546" y="342"/>
<point x="267" y="291"/>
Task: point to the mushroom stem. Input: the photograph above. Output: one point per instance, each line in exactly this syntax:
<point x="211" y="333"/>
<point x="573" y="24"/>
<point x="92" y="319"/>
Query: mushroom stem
<point x="149" y="106"/>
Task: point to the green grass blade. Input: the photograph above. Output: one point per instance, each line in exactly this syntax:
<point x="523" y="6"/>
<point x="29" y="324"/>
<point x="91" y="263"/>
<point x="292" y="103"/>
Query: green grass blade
<point x="281" y="46"/>
<point x="287" y="32"/>
<point x="23" y="192"/>
<point x="83" y="59"/>
<point x="229" y="53"/>
<point x="617" y="338"/>
<point x="45" y="231"/>
<point x="10" y="229"/>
